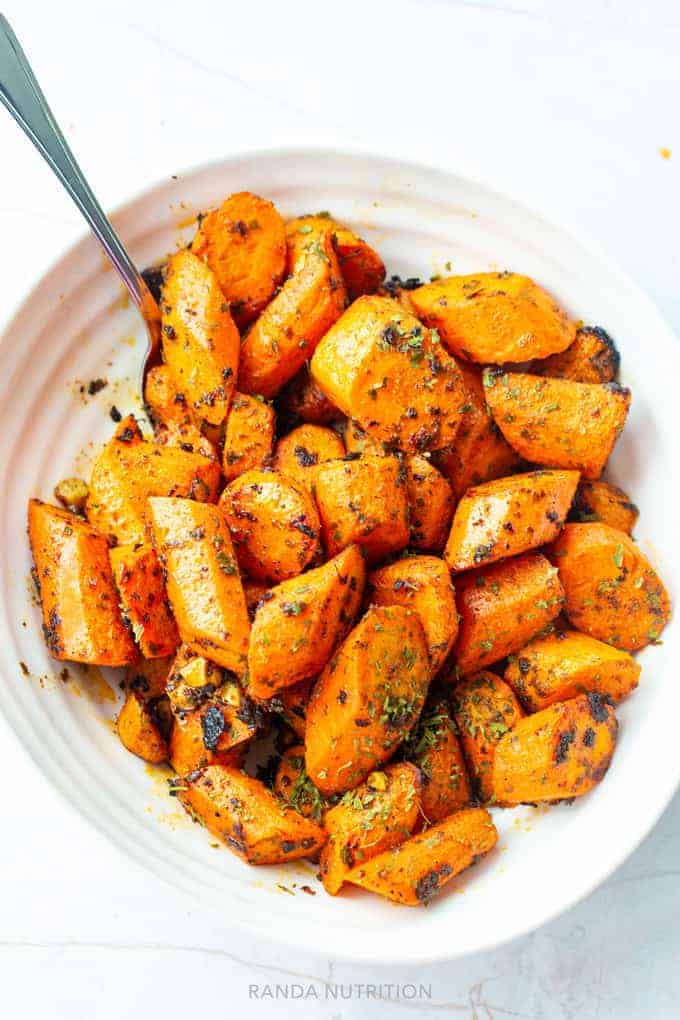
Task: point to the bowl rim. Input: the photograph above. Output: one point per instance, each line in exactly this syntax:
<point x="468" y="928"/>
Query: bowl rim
<point x="362" y="948"/>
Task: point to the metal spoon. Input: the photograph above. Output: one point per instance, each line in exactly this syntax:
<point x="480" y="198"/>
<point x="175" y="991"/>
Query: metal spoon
<point x="23" y="97"/>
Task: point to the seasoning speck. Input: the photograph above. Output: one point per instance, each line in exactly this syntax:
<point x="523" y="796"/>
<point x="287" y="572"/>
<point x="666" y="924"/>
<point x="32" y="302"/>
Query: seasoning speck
<point x="96" y="385"/>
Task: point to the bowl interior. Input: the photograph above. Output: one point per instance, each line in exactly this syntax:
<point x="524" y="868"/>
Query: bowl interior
<point x="77" y="326"/>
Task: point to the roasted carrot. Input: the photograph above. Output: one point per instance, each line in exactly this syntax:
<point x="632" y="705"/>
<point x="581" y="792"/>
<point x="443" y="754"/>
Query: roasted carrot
<point x="365" y="502"/>
<point x="485" y="708"/>
<point x="434" y="747"/>
<point x="130" y="469"/>
<point x="612" y="591"/>
<point x="300" y="623"/>
<point x="383" y="368"/>
<point x="249" y="436"/>
<point x="479" y="453"/>
<point x="592" y="357"/>
<point x="367" y="699"/>
<point x="362" y="268"/>
<point x="139" y="732"/>
<point x="431" y="504"/>
<point x="423" y="584"/>
<point x="148" y="677"/>
<point x="274" y="525"/>
<point x="174" y="423"/>
<point x="557" y="422"/>
<point x="244" y="243"/>
<point x="203" y="583"/>
<point x="188" y="751"/>
<point x="509" y="516"/>
<point x="165" y="401"/>
<point x="293" y="785"/>
<point x="377" y="815"/>
<point x="200" y="339"/>
<point x="81" y="618"/>
<point x="561" y="665"/>
<point x="302" y="400"/>
<point x="494" y="317"/>
<point x="255" y="592"/>
<point x="291" y="705"/>
<point x="287" y="332"/>
<point x="298" y="453"/>
<point x="248" y="818"/>
<point x="417" y="869"/>
<point x="560" y="752"/>
<point x="604" y="502"/>
<point x="358" y="441"/>
<point x="139" y="579"/>
<point x="501" y="607"/>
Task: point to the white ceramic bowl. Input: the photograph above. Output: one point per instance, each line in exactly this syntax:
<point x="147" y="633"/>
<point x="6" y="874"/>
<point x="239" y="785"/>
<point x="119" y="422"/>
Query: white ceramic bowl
<point x="75" y="327"/>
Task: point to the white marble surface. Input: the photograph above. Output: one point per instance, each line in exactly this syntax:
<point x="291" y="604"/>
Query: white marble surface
<point x="564" y="104"/>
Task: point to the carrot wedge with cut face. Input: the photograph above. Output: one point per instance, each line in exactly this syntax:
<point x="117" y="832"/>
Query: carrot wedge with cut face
<point x="81" y="618"/>
<point x="130" y="469"/>
<point x="509" y="516"/>
<point x="249" y="436"/>
<point x="244" y="243"/>
<point x="367" y="699"/>
<point x="612" y="591"/>
<point x="248" y="818"/>
<point x="139" y="732"/>
<point x="290" y="327"/>
<point x="558" y="422"/>
<point x="423" y="584"/>
<point x="375" y="816"/>
<point x="416" y="870"/>
<point x="592" y="357"/>
<point x="204" y="587"/>
<point x="565" y="664"/>
<point x="139" y="579"/>
<point x="298" y="453"/>
<point x="362" y="268"/>
<point x="604" y="503"/>
<point x="480" y="452"/>
<point x="435" y="748"/>
<point x="390" y="373"/>
<point x="484" y="707"/>
<point x="494" y="317"/>
<point x="298" y="626"/>
<point x="274" y="525"/>
<point x="431" y="504"/>
<point x="363" y="502"/>
<point x="560" y="752"/>
<point x="200" y="340"/>
<point x="501" y="607"/>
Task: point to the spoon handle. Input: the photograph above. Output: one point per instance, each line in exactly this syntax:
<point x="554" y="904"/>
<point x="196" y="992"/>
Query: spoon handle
<point x="23" y="97"/>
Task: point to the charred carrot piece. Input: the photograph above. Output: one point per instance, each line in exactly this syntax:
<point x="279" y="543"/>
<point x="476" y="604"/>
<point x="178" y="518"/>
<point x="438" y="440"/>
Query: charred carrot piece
<point x="560" y="752"/>
<point x="415" y="871"/>
<point x="248" y="818"/>
<point x="139" y="579"/>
